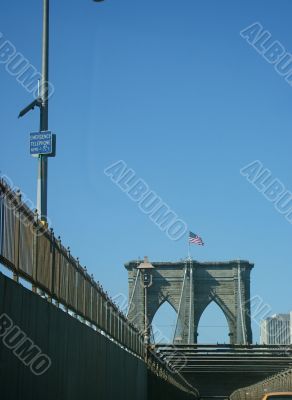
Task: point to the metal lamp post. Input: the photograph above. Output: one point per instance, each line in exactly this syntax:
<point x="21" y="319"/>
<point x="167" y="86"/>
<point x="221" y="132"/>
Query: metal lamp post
<point x="42" y="180"/>
<point x="43" y="103"/>
<point x="146" y="268"/>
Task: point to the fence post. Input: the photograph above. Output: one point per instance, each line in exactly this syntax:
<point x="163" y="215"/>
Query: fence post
<point x="84" y="293"/>
<point x="34" y="252"/>
<point x="52" y="271"/>
<point x="67" y="278"/>
<point x="59" y="270"/>
<point x="92" y="288"/>
<point x="17" y="236"/>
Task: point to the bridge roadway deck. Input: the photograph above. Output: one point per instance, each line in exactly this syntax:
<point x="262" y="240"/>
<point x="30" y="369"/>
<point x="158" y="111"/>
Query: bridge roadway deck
<point x="218" y="370"/>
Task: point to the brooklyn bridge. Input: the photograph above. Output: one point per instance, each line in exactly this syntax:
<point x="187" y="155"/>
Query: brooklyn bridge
<point x="63" y="337"/>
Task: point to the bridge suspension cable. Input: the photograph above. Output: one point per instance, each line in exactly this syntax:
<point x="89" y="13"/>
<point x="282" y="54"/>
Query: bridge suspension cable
<point x="191" y="302"/>
<point x="178" y="328"/>
<point x="133" y="292"/>
<point x="240" y="304"/>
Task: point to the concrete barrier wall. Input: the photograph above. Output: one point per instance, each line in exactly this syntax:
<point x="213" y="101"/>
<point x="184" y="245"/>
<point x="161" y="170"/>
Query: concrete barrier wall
<point x="160" y="390"/>
<point x="45" y="354"/>
<point x="84" y="364"/>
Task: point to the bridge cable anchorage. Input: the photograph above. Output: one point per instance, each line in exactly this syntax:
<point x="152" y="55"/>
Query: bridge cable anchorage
<point x="178" y="319"/>
<point x="240" y="303"/>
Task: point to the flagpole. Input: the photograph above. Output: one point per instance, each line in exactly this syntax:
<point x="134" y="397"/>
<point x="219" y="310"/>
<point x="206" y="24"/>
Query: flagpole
<point x="190" y="338"/>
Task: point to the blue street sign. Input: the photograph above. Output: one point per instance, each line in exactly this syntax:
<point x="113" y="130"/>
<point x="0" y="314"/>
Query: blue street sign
<point x="42" y="143"/>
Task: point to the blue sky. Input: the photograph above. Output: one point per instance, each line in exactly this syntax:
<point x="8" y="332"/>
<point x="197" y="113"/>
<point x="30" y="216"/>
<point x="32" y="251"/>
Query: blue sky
<point x="172" y="89"/>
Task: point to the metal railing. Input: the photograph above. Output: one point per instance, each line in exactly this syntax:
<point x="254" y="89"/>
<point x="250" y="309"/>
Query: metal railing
<point x="162" y="370"/>
<point x="281" y="382"/>
<point x="33" y="252"/>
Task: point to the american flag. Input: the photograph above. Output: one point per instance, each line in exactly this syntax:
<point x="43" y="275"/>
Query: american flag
<point x="195" y="239"/>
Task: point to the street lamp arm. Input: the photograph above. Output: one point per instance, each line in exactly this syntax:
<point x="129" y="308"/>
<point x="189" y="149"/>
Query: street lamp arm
<point x="36" y="103"/>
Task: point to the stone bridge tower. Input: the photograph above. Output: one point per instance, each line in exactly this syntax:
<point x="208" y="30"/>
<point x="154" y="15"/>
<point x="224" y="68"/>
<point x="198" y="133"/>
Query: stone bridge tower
<point x="189" y="286"/>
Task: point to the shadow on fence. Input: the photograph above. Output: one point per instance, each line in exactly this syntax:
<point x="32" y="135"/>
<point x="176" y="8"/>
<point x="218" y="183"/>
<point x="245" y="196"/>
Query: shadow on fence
<point x="281" y="382"/>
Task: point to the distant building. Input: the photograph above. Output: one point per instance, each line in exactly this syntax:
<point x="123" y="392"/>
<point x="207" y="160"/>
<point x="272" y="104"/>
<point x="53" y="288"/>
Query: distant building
<point x="277" y="329"/>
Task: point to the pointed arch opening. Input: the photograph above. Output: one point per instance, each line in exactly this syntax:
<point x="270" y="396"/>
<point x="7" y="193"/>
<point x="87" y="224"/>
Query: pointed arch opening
<point x="163" y="324"/>
<point x="213" y="326"/>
